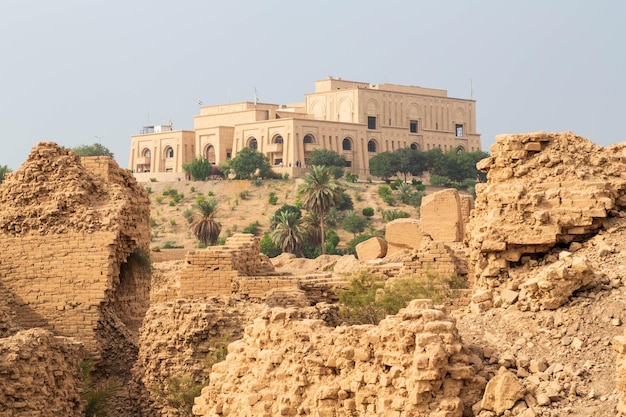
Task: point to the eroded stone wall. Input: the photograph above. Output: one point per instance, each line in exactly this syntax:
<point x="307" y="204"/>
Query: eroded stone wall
<point x="543" y="190"/>
<point x="73" y="239"/>
<point x="40" y="375"/>
<point x="413" y="363"/>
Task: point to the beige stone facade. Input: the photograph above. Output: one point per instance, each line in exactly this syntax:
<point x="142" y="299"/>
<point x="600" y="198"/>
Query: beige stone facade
<point x="358" y="120"/>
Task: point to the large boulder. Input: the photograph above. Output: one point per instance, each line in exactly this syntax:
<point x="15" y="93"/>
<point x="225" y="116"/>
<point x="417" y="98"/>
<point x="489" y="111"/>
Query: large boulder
<point x="371" y="249"/>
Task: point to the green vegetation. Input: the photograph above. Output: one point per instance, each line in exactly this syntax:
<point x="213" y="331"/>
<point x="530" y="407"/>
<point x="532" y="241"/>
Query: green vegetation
<point x="171" y="245"/>
<point x="206" y="230"/>
<point x="289" y="232"/>
<point x="252" y="228"/>
<point x="273" y="198"/>
<point x="319" y="193"/>
<point x="249" y="162"/>
<point x="368" y="212"/>
<point x="353" y="223"/>
<point x="389" y="215"/>
<point x="268" y="247"/>
<point x="368" y="299"/>
<point x="98" y="397"/>
<point x="198" y="168"/>
<point x="330" y="159"/>
<point x="96" y="149"/>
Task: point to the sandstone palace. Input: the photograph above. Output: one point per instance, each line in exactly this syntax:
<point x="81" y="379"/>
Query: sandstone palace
<point x="355" y="119"/>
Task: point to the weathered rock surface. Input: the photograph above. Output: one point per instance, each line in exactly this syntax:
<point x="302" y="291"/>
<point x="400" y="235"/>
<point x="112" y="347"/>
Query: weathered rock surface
<point x="552" y="286"/>
<point x="373" y="248"/>
<point x="543" y="189"/>
<point x="412" y="363"/>
<point x="502" y="392"/>
<point x="40" y="375"/>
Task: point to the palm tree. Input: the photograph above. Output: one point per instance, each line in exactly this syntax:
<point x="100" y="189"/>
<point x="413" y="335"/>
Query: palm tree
<point x="289" y="232"/>
<point x="312" y="225"/>
<point x="319" y="193"/>
<point x="206" y="229"/>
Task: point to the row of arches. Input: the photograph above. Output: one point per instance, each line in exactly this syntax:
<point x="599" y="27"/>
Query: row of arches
<point x="168" y="152"/>
<point x="346" y="145"/>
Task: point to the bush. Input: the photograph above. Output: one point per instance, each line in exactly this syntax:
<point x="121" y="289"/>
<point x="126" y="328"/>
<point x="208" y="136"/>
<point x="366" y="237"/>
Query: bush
<point x="368" y="212"/>
<point x="332" y="240"/>
<point x="198" y="168"/>
<point x="353" y="223"/>
<point x="172" y="203"/>
<point x="181" y="392"/>
<point x="439" y="180"/>
<point x="172" y="222"/>
<point x="273" y="198"/>
<point x="257" y="182"/>
<point x="368" y="300"/>
<point x="268" y="247"/>
<point x="192" y="189"/>
<point x="345" y="203"/>
<point x="153" y="180"/>
<point x="252" y="228"/>
<point x="350" y="177"/>
<point x="168" y="244"/>
<point x="159" y="199"/>
<point x="188" y="215"/>
<point x="286" y="176"/>
<point x="149" y="190"/>
<point x="389" y="215"/>
<point x="244" y="194"/>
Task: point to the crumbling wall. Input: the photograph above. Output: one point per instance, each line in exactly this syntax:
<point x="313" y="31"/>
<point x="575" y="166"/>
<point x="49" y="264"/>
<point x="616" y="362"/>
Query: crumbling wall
<point x="543" y="190"/>
<point x="40" y="375"/>
<point x="441" y="216"/>
<point x="73" y="239"/>
<point x="412" y="363"/>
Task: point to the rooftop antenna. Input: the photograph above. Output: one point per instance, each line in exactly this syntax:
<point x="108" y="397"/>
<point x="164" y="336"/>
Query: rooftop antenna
<point x="256" y="97"/>
<point x="471" y="89"/>
<point x="99" y="139"/>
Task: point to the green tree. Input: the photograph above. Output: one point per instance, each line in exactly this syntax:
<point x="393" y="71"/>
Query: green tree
<point x="207" y="230"/>
<point x="384" y="165"/>
<point x="198" y="168"/>
<point x="289" y="232"/>
<point x="410" y="161"/>
<point x="353" y="223"/>
<point x="312" y="224"/>
<point x="319" y="193"/>
<point x="96" y="149"/>
<point x="328" y="158"/>
<point x="248" y="162"/>
<point x="3" y="171"/>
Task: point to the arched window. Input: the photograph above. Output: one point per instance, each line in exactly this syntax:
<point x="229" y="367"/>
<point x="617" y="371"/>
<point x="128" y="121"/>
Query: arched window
<point x="209" y="154"/>
<point x="415" y="146"/>
<point x="308" y="139"/>
<point x="146" y="153"/>
<point x="460" y="150"/>
<point x="278" y="139"/>
<point x="346" y="144"/>
<point x="252" y="143"/>
<point x="169" y="152"/>
<point x="371" y="146"/>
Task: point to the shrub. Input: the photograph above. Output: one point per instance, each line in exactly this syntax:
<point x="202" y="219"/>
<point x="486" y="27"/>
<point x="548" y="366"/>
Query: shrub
<point x="153" y="180"/>
<point x="286" y="176"/>
<point x="244" y="194"/>
<point x="159" y="199"/>
<point x="188" y="215"/>
<point x="332" y="240"/>
<point x="257" y="182"/>
<point x="99" y="398"/>
<point x="198" y="168"/>
<point x="252" y="228"/>
<point x="273" y="198"/>
<point x="210" y="193"/>
<point x="439" y="180"/>
<point x="172" y="203"/>
<point x="172" y="222"/>
<point x="353" y="223"/>
<point x="268" y="247"/>
<point x="153" y="222"/>
<point x="367" y="300"/>
<point x="389" y="215"/>
<point x="149" y="190"/>
<point x="169" y="244"/>
<point x="346" y="202"/>
<point x="181" y="392"/>
<point x="396" y="183"/>
<point x="192" y="189"/>
<point x="350" y="177"/>
<point x="368" y="212"/>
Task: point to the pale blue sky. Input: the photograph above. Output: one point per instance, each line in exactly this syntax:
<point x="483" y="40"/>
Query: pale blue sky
<point x="75" y="70"/>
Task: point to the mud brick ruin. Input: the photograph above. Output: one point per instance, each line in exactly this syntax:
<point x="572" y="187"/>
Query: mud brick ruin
<point x="74" y="239"/>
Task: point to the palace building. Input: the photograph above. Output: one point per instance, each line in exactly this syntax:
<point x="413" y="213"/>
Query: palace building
<point x="358" y="120"/>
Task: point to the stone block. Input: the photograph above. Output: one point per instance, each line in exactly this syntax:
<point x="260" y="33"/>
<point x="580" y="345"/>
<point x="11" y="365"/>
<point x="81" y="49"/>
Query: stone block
<point x="370" y="249"/>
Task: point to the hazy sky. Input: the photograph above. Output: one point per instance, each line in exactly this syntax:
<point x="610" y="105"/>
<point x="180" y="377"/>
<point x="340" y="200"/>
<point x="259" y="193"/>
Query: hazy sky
<point x="79" y="71"/>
